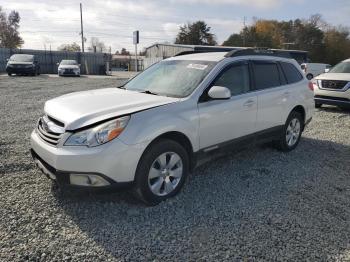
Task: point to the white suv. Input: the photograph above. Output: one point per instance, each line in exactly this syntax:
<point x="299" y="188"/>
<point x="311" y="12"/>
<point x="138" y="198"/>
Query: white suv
<point x="151" y="132"/>
<point x="333" y="88"/>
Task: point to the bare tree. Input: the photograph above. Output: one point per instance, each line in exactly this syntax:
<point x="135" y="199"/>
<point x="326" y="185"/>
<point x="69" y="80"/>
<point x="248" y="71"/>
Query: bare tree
<point x="69" y="47"/>
<point x="9" y="25"/>
<point x="97" y="46"/>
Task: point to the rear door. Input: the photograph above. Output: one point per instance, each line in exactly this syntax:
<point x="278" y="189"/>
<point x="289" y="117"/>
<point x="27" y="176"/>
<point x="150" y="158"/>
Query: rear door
<point x="225" y="120"/>
<point x="272" y="92"/>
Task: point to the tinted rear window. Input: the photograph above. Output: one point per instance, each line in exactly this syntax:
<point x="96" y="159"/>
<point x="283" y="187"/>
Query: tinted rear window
<point x="266" y="75"/>
<point x="291" y="73"/>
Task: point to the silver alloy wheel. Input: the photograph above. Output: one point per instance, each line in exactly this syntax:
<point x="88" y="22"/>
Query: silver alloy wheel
<point x="165" y="173"/>
<point x="293" y="132"/>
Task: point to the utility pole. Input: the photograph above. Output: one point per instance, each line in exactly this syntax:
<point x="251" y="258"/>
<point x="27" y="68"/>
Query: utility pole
<point x="244" y="31"/>
<point x="82" y="29"/>
<point x="136" y="40"/>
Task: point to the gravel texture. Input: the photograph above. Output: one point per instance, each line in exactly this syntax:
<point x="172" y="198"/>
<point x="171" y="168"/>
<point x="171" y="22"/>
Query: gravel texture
<point x="257" y="205"/>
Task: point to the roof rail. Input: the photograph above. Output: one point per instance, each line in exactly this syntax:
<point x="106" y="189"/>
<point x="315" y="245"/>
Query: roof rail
<point x="259" y="51"/>
<point x="190" y="52"/>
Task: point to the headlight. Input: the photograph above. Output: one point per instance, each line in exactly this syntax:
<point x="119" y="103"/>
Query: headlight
<point x="319" y="83"/>
<point x="100" y="134"/>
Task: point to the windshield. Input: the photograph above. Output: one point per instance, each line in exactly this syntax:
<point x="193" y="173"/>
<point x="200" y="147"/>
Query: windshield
<point x="174" y="78"/>
<point x="69" y="62"/>
<point x="342" y="67"/>
<point x="22" y="58"/>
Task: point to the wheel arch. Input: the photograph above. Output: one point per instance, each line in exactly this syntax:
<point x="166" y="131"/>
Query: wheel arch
<point x="300" y="109"/>
<point x="181" y="139"/>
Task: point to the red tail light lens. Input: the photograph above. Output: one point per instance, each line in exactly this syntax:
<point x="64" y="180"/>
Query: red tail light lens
<point x="311" y="86"/>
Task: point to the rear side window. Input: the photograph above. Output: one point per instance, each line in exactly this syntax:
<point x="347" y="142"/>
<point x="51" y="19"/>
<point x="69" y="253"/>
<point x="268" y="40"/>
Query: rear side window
<point x="291" y="73"/>
<point x="266" y="74"/>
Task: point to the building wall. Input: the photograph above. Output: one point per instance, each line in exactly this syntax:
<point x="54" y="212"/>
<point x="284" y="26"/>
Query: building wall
<point x="158" y="52"/>
<point x="91" y="63"/>
<point x="165" y="51"/>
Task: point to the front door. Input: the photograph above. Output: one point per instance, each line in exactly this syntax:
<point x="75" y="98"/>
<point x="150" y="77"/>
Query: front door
<point x="224" y="120"/>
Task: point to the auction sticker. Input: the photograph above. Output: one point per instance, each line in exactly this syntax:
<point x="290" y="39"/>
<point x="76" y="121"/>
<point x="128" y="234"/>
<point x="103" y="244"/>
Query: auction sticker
<point x="197" y="66"/>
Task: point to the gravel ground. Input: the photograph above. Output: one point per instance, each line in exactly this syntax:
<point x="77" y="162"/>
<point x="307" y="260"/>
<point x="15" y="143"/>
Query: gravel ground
<point x="257" y="205"/>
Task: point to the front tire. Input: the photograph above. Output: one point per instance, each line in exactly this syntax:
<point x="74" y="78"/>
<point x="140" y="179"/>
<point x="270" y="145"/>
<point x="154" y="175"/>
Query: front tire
<point x="161" y="172"/>
<point x="291" y="133"/>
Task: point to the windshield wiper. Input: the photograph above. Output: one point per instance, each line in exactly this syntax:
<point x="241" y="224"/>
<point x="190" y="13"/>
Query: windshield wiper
<point x="121" y="87"/>
<point x="149" y="92"/>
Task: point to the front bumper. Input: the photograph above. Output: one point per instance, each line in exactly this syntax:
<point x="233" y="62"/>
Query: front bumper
<point x="68" y="72"/>
<point x="115" y="161"/>
<point x="335" y="101"/>
<point x="20" y="70"/>
<point x="62" y="178"/>
<point x="332" y="97"/>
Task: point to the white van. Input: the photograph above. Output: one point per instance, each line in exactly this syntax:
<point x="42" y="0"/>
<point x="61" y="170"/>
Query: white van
<point x="314" y="69"/>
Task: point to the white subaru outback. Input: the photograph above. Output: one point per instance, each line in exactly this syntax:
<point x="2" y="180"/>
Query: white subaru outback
<point x="151" y="132"/>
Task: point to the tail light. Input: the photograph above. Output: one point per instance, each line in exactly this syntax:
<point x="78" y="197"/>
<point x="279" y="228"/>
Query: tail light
<point x="311" y="86"/>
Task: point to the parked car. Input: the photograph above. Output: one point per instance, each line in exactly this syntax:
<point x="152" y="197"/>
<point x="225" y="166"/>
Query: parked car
<point x="22" y="64"/>
<point x="151" y="132"/>
<point x="333" y="88"/>
<point x="68" y="68"/>
<point x="314" y="69"/>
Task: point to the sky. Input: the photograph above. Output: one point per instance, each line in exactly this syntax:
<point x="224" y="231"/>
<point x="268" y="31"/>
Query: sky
<point x="52" y="23"/>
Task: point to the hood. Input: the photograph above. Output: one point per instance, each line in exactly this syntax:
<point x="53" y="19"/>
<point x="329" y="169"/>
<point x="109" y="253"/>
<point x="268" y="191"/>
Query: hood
<point x="80" y="109"/>
<point x="334" y="76"/>
<point x="68" y="67"/>
<point x="19" y="63"/>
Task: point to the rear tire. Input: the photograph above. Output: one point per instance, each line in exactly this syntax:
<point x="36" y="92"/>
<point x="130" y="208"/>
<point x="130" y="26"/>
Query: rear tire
<point x="309" y="76"/>
<point x="9" y="74"/>
<point x="161" y="172"/>
<point x="292" y="130"/>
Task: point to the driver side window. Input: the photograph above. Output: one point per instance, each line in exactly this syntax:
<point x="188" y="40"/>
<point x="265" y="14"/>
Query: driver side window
<point x="235" y="78"/>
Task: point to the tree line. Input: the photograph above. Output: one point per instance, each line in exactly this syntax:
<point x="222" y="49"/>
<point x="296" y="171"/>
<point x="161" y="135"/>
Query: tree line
<point x="324" y="42"/>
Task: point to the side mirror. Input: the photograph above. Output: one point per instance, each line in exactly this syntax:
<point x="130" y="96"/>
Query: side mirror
<point x="327" y="70"/>
<point x="58" y="64"/>
<point x="79" y="65"/>
<point x="219" y="92"/>
<point x="7" y="59"/>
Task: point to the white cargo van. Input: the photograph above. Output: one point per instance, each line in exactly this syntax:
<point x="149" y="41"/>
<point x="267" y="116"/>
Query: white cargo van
<point x="314" y="69"/>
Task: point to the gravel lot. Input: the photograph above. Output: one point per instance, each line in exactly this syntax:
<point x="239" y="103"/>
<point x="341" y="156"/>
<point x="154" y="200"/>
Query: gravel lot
<point x="258" y="205"/>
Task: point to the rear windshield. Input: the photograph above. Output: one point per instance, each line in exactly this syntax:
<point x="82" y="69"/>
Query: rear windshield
<point x="22" y="58"/>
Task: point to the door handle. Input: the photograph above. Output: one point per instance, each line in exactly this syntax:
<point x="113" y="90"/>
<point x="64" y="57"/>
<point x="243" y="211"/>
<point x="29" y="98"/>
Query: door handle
<point x="249" y="103"/>
<point x="286" y="94"/>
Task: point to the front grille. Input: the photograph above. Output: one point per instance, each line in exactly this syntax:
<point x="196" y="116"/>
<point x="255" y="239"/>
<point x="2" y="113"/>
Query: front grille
<point x="333" y="84"/>
<point x="68" y="71"/>
<point x="46" y="134"/>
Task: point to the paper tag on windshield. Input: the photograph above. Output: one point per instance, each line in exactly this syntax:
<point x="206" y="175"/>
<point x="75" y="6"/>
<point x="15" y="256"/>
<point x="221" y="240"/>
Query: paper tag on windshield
<point x="197" y="66"/>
